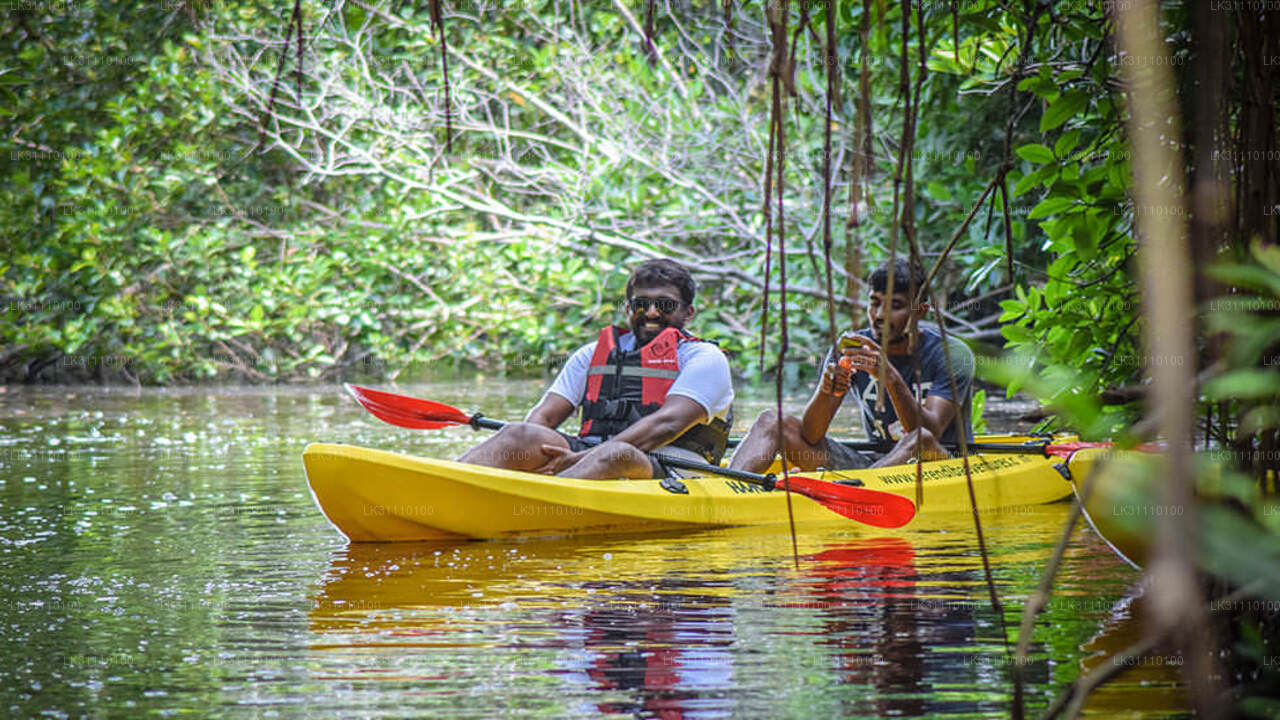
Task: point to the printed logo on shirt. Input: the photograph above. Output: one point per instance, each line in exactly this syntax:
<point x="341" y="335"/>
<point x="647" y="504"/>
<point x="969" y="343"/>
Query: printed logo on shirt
<point x="869" y="394"/>
<point x="894" y="431"/>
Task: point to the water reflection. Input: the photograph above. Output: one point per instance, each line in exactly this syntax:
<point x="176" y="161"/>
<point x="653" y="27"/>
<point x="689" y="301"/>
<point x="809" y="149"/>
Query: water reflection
<point x="159" y="554"/>
<point x="717" y="622"/>
<point x="866" y="594"/>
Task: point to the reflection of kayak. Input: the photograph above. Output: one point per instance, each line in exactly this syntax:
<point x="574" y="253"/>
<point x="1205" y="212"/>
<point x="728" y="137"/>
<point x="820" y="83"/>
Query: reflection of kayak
<point x="1155" y="676"/>
<point x="377" y="496"/>
<point x="372" y="586"/>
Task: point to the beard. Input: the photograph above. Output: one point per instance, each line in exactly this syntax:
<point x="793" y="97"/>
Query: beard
<point x="643" y="334"/>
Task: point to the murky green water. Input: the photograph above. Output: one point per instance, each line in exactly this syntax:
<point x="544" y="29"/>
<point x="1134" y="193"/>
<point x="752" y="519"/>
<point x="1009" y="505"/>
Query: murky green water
<point x="160" y="555"/>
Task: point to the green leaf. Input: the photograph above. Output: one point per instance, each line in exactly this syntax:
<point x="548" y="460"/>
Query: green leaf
<point x="1066" y="143"/>
<point x="1225" y="532"/>
<point x="1050" y="206"/>
<point x="1250" y="276"/>
<point x="1268" y="255"/>
<point x="1012" y="310"/>
<point x="1017" y="334"/>
<point x="1063" y="109"/>
<point x="1246" y="384"/>
<point x="1027" y="182"/>
<point x="1036" y="153"/>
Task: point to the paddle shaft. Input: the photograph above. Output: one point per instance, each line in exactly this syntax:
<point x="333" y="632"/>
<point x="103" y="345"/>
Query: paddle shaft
<point x="1035" y="447"/>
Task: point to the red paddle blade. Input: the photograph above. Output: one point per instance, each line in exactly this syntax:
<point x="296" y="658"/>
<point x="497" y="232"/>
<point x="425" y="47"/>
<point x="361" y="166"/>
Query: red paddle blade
<point x="872" y="507"/>
<point x="406" y="412"/>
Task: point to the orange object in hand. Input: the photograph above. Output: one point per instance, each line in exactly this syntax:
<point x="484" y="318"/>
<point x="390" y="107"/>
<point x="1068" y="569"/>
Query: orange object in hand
<point x="845" y="361"/>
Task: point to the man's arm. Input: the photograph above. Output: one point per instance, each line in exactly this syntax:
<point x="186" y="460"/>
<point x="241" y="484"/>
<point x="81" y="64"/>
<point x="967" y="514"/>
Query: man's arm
<point x="825" y="402"/>
<point x="552" y="411"/>
<point x="935" y="413"/>
<point x="703" y="388"/>
<point x="677" y="414"/>
<point x="561" y="399"/>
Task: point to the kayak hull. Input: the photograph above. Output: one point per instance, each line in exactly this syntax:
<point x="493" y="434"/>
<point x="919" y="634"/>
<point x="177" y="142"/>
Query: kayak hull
<point x="378" y="496"/>
<point x="1118" y="492"/>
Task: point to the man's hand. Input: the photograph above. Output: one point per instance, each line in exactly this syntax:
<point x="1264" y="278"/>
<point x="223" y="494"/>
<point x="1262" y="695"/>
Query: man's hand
<point x="865" y="358"/>
<point x="835" y="380"/>
<point x="558" y="458"/>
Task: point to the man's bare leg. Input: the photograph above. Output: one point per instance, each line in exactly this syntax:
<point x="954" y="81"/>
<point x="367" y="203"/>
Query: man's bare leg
<point x="515" y="447"/>
<point x="905" y="450"/>
<point x="759" y="448"/>
<point x="611" y="459"/>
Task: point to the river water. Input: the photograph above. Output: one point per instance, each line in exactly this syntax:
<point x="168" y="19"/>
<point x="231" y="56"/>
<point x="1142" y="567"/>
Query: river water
<point x="160" y="555"/>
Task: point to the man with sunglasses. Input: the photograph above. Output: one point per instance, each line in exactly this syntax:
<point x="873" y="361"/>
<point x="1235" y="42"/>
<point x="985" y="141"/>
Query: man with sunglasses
<point x="648" y="386"/>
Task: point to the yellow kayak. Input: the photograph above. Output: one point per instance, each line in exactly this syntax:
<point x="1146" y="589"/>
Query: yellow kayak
<point x="378" y="496"/>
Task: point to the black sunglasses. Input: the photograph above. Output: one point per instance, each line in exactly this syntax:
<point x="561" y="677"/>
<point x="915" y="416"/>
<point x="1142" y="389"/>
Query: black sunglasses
<point x="666" y="306"/>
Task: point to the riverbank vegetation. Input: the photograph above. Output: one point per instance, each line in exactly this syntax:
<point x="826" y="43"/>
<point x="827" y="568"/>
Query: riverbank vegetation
<point x="239" y="191"/>
<point x="197" y="199"/>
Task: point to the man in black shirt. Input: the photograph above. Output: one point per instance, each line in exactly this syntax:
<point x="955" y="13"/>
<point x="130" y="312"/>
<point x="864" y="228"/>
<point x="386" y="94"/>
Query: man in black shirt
<point x="923" y="426"/>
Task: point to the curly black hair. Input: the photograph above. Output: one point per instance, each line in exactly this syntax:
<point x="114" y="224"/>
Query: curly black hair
<point x="651" y="273"/>
<point x="906" y="276"/>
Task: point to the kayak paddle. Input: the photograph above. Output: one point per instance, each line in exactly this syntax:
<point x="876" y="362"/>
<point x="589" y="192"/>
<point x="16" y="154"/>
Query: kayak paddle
<point x="415" y="413"/>
<point x="872" y="507"/>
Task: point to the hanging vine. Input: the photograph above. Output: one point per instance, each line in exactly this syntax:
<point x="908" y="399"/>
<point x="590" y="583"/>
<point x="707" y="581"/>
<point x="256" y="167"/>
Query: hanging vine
<point x="293" y="31"/>
<point x="437" y="24"/>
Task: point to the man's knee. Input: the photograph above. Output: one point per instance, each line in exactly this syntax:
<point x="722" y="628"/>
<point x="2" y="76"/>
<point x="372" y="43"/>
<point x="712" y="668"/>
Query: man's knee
<point x="617" y="451"/>
<point x="517" y="445"/>
<point x="924" y="439"/>
<point x="791" y="426"/>
<point x="766" y="420"/>
<point x="922" y="435"/>
<point x="522" y="432"/>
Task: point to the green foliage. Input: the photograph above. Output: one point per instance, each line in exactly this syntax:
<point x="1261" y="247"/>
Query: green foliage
<point x="1081" y="318"/>
<point x="1247" y="321"/>
<point x="163" y="242"/>
<point x="979" y="405"/>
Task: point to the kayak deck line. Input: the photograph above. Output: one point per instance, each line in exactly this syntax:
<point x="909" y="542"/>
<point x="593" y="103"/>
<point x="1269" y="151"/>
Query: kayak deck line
<point x="378" y="496"/>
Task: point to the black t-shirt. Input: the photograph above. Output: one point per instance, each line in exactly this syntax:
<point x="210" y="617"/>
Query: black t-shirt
<point x="932" y="381"/>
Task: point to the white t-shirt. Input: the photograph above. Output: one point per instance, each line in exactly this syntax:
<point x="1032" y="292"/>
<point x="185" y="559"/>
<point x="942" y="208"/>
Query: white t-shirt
<point x="704" y="375"/>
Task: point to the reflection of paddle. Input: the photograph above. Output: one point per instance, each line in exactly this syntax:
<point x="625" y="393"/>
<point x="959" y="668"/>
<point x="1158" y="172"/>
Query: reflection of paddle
<point x="873" y="507"/>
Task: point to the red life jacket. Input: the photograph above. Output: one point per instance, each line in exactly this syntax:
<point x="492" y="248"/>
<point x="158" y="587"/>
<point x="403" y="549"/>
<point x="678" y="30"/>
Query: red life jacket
<point x="623" y="387"/>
